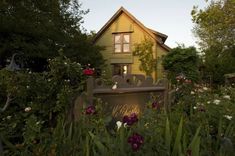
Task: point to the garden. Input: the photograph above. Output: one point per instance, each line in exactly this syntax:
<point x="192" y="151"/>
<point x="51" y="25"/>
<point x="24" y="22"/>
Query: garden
<point x="38" y="122"/>
<point x="44" y="70"/>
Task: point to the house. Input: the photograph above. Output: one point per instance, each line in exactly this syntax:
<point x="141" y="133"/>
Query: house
<point x="119" y="36"/>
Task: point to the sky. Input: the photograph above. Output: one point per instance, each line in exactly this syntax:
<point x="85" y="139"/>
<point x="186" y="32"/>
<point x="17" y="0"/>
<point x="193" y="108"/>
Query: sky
<point x="171" y="17"/>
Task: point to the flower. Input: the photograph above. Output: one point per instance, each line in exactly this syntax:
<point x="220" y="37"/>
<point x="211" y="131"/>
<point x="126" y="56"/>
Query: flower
<point x="208" y="102"/>
<point x="119" y="124"/>
<point x="192" y="92"/>
<point x="27" y="109"/>
<point x="216" y="101"/>
<point x="194" y="107"/>
<point x="65" y="63"/>
<point x="136" y="140"/>
<point x="201" y="108"/>
<point x="155" y="105"/>
<point x="229" y="117"/>
<point x="8" y="117"/>
<point x="88" y="71"/>
<point x="130" y="120"/>
<point x="188" y="81"/>
<point x="90" y="110"/>
<point x="226" y="97"/>
<point x="205" y="88"/>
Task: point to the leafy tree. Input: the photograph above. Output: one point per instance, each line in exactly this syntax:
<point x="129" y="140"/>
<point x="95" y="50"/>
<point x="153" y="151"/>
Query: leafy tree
<point x="182" y="60"/>
<point x="214" y="27"/>
<point x="144" y="51"/>
<point x="40" y="28"/>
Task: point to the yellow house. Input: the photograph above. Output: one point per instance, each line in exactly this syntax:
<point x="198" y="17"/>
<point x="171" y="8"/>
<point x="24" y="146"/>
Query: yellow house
<point x="119" y="35"/>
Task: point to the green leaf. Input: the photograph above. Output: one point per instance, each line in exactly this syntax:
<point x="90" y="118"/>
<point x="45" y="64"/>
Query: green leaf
<point x="177" y="143"/>
<point x="168" y="136"/>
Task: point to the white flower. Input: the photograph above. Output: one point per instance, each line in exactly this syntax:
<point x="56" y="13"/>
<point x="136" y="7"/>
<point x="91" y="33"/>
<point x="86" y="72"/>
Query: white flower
<point x="27" y="109"/>
<point x="226" y="97"/>
<point x="49" y="80"/>
<point x="216" y="101"/>
<point x="192" y="92"/>
<point x="208" y="102"/>
<point x="27" y="87"/>
<point x="65" y="63"/>
<point x="194" y="107"/>
<point x="205" y="88"/>
<point x="9" y="117"/>
<point x="30" y="72"/>
<point x="37" y="123"/>
<point x="119" y="124"/>
<point x="200" y="90"/>
<point x="229" y="117"/>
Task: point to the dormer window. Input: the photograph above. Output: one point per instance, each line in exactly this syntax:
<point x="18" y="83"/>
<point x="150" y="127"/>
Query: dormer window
<point x="122" y="43"/>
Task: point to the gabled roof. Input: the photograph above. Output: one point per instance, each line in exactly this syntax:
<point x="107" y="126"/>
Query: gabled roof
<point x="159" y="37"/>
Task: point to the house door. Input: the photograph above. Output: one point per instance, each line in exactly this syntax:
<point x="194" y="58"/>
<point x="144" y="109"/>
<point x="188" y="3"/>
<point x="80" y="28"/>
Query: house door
<point x="121" y="69"/>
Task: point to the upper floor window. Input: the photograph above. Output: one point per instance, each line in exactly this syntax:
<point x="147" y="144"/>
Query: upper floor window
<point x="121" y="43"/>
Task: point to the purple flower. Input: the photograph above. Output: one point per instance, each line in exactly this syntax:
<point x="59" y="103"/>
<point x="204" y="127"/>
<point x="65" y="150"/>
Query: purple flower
<point x="90" y="110"/>
<point x="130" y="120"/>
<point x="136" y="141"/>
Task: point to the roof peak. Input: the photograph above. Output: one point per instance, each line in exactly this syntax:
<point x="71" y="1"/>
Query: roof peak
<point x="151" y="32"/>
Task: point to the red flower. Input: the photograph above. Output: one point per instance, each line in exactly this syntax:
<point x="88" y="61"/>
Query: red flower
<point x="88" y="71"/>
<point x="90" y="110"/>
<point x="155" y="105"/>
<point x="136" y="141"/>
<point x="130" y="120"/>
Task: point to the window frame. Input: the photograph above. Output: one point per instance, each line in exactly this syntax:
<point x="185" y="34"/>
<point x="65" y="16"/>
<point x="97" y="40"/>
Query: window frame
<point x="121" y="43"/>
<point x="122" y="66"/>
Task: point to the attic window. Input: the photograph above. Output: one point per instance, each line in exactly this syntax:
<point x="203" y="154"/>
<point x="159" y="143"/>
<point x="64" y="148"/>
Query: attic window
<point x="121" y="43"/>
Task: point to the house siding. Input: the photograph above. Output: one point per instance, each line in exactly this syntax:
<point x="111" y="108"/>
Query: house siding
<point x="126" y="25"/>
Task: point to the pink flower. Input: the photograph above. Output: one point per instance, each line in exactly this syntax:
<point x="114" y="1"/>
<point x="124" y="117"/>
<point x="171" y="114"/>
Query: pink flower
<point x="188" y="81"/>
<point x="90" y="110"/>
<point x="136" y="140"/>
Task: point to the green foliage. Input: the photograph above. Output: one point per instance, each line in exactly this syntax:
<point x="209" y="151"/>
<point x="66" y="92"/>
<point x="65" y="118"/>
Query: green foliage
<point x="181" y="60"/>
<point x="196" y="125"/>
<point x="214" y="27"/>
<point x="144" y="51"/>
<point x="39" y="100"/>
<point x="40" y="29"/>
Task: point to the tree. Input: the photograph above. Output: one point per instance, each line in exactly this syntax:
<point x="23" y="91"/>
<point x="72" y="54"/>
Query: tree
<point x="40" y="28"/>
<point x="182" y="60"/>
<point x="214" y="27"/>
<point x="144" y="51"/>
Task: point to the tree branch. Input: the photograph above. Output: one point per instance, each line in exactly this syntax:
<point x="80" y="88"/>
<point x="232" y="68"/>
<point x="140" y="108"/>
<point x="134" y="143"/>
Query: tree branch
<point x="9" y="99"/>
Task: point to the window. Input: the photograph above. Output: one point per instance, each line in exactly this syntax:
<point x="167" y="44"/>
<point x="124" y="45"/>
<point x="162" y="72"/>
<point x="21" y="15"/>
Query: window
<point x="121" y="43"/>
<point x="121" y="69"/>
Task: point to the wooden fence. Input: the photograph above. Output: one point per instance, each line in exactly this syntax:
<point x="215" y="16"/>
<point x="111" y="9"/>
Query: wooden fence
<point x="131" y="94"/>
